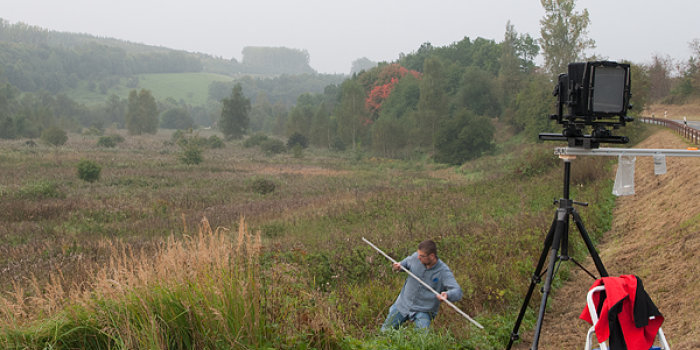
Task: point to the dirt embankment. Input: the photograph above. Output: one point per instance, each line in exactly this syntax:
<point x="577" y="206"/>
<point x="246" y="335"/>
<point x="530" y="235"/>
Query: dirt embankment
<point x="656" y="236"/>
<point x="677" y="112"/>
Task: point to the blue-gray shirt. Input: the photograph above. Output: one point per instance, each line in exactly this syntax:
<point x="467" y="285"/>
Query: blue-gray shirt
<point x="414" y="297"/>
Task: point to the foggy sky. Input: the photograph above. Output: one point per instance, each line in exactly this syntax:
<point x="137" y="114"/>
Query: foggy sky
<point x="335" y="33"/>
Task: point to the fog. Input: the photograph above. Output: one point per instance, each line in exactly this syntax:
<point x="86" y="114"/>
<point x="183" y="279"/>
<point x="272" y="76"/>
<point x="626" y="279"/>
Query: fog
<point x="335" y="33"/>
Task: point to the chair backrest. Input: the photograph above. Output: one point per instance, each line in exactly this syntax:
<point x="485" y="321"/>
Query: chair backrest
<point x="594" y="318"/>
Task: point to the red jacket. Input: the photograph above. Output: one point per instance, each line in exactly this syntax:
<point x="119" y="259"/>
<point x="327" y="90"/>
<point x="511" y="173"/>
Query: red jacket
<point x="623" y="314"/>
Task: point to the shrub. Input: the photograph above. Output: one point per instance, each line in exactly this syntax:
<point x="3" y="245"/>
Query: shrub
<point x="272" y="146"/>
<point x="177" y="136"/>
<point x="88" y="170"/>
<point x="262" y="186"/>
<point x="106" y="141"/>
<point x="117" y="138"/>
<point x="54" y="136"/>
<point x="338" y="144"/>
<point x="297" y="139"/>
<point x="191" y="153"/>
<point x="215" y="142"/>
<point x="255" y="140"/>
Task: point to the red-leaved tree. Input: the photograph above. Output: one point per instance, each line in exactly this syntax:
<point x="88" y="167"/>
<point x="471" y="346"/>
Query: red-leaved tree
<point x="387" y="79"/>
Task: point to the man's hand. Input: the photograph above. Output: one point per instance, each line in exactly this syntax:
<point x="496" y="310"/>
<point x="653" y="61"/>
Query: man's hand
<point x="442" y="296"/>
<point x="396" y="267"/>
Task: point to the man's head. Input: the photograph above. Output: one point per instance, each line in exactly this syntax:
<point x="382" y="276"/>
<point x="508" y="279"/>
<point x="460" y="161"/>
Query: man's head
<point x="427" y="253"/>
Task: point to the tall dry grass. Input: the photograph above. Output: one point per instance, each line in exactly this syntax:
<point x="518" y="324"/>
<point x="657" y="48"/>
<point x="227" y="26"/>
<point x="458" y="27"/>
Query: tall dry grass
<point x="200" y="290"/>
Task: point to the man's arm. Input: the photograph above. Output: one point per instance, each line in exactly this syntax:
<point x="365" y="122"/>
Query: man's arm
<point x="397" y="266"/>
<point x="451" y="289"/>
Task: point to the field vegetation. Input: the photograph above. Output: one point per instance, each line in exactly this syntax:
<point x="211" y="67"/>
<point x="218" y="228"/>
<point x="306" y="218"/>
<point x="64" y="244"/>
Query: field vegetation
<point x="161" y="254"/>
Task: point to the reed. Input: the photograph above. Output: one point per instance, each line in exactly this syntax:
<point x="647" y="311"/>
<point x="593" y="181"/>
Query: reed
<point x="199" y="291"/>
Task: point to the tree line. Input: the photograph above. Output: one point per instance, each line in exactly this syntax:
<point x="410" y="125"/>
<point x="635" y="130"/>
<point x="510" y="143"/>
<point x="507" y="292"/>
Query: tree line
<point x="34" y="59"/>
<point x="441" y="101"/>
<point x="446" y="101"/>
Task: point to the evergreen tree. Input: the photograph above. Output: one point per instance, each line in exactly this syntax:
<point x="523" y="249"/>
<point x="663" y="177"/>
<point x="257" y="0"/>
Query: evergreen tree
<point x="234" y="114"/>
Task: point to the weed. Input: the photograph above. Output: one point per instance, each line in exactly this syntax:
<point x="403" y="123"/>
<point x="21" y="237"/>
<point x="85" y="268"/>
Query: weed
<point x="40" y="190"/>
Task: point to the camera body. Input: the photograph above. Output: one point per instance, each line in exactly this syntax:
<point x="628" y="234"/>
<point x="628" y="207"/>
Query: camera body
<point x="595" y="94"/>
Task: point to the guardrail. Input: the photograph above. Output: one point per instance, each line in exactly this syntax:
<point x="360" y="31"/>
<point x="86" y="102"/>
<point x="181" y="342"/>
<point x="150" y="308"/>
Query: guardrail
<point x="693" y="135"/>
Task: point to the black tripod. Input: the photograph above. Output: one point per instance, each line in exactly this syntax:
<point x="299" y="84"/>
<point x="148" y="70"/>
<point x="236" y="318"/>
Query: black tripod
<point x="557" y="239"/>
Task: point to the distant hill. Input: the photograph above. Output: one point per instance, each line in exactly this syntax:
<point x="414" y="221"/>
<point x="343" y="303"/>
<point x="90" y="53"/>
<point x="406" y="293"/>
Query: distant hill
<point x="89" y="68"/>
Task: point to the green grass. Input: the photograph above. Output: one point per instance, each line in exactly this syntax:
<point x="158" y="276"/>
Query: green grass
<point x="319" y="285"/>
<point x="192" y="88"/>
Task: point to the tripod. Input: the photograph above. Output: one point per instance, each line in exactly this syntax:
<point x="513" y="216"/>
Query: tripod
<point x="557" y="239"/>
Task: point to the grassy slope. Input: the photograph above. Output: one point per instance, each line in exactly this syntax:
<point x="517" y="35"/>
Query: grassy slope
<point x="192" y="88"/>
<point x="655" y="235"/>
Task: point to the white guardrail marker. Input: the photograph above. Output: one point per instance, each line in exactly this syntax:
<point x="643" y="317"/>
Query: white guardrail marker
<point x="425" y="285"/>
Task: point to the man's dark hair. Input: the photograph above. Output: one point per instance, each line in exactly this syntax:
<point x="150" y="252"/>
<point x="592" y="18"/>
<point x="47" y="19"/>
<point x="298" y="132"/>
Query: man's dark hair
<point x="428" y="247"/>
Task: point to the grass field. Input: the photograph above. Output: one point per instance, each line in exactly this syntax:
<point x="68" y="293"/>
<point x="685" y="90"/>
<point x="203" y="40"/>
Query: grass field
<point x="158" y="254"/>
<point x="192" y="88"/>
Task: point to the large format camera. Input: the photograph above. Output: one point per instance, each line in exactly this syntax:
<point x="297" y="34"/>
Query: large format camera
<point x="595" y="94"/>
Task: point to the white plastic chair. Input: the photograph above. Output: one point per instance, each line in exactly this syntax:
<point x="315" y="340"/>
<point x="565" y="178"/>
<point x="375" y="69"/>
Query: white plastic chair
<point x="660" y="337"/>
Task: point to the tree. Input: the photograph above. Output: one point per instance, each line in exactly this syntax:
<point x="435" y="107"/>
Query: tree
<point x="177" y="118"/>
<point x="352" y="115"/>
<point x="142" y="113"/>
<point x="478" y="93"/>
<point x="300" y="117"/>
<point x="564" y="34"/>
<point x="54" y="136"/>
<point x="659" y="77"/>
<point x="115" y="110"/>
<point x="234" y="114"/>
<point x="466" y="136"/>
<point x="432" y="103"/>
<point x="320" y="133"/>
<point x="362" y="64"/>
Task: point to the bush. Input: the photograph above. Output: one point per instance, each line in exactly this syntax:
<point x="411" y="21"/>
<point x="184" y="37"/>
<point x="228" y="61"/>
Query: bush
<point x="88" y="170"/>
<point x="263" y="186"/>
<point x="191" y="153"/>
<point x="54" y="136"/>
<point x="106" y="141"/>
<point x="272" y="146"/>
<point x="297" y="139"/>
<point x="255" y="140"/>
<point x="215" y="142"/>
<point x="117" y="138"/>
<point x="338" y="144"/>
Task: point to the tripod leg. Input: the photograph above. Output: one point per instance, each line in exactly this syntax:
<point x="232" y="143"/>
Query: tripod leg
<point x="589" y="244"/>
<point x="560" y="232"/>
<point x="535" y="280"/>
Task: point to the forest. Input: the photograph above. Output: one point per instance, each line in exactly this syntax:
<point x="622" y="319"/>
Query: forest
<point x="441" y="101"/>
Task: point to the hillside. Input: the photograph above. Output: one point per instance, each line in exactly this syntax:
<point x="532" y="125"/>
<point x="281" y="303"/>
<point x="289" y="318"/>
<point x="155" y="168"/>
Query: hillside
<point x="655" y="235"/>
<point x="690" y="110"/>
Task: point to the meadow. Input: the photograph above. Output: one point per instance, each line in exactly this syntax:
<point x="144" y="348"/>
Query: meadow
<point x="190" y="88"/>
<point x="161" y="255"/>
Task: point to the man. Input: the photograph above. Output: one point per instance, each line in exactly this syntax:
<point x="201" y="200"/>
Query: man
<point x="415" y="302"/>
